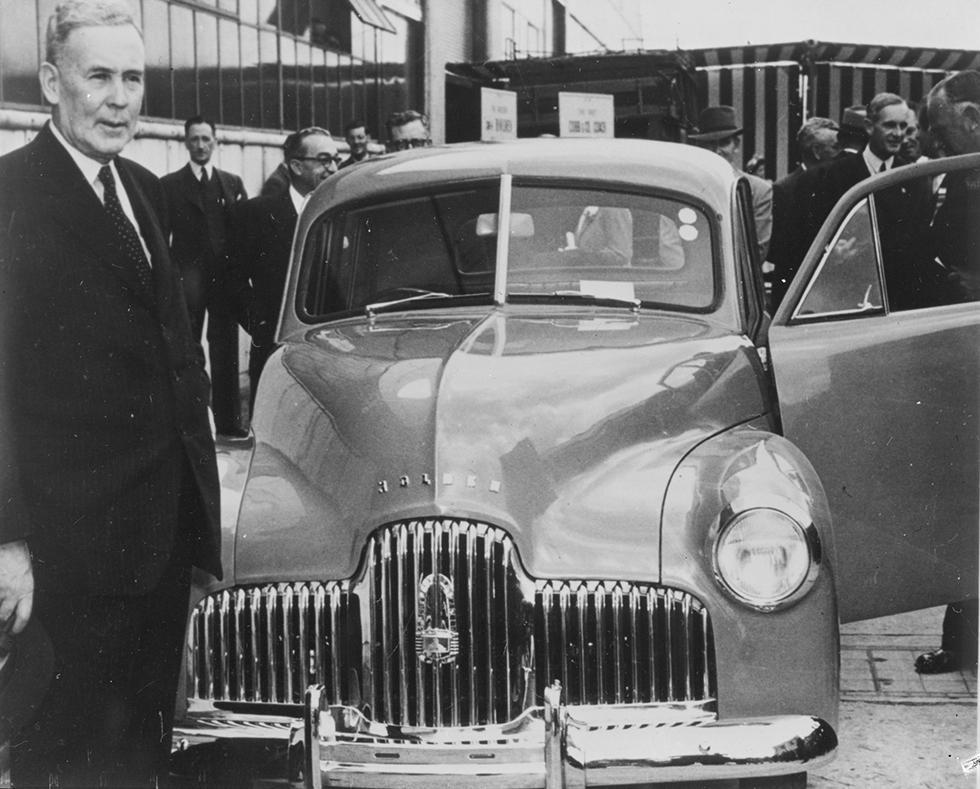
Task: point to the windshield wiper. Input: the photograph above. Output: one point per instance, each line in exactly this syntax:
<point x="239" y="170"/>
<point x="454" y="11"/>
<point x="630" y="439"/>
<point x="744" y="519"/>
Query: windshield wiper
<point x="378" y="307"/>
<point x="602" y="301"/>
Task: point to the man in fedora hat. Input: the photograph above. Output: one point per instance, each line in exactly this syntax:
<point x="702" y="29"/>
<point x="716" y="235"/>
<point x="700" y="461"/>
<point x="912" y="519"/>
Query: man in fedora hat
<point x="852" y="134"/>
<point x="719" y="132"/>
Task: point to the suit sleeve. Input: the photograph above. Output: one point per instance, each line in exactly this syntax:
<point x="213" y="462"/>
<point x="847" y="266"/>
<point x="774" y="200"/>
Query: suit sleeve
<point x="762" y="205"/>
<point x="14" y="519"/>
<point x="237" y="268"/>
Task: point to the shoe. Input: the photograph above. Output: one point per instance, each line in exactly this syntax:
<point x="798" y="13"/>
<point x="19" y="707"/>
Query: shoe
<point x="939" y="661"/>
<point x="233" y="433"/>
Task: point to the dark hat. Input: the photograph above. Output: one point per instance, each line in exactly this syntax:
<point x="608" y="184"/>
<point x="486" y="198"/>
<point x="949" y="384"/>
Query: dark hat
<point x="716" y="123"/>
<point x="852" y="120"/>
<point x="25" y="675"/>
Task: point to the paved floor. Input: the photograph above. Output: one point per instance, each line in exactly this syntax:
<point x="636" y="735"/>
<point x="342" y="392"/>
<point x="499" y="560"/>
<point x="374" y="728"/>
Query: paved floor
<point x="898" y="728"/>
<point x="877" y="658"/>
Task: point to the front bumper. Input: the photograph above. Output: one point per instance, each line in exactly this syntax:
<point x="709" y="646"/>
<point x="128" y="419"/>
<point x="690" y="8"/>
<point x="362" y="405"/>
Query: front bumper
<point x="549" y="747"/>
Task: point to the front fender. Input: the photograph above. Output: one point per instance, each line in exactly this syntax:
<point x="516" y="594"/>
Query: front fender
<point x="795" y="649"/>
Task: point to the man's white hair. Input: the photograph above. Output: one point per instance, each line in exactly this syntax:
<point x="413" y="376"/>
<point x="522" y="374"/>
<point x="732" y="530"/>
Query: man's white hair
<point x="73" y="14"/>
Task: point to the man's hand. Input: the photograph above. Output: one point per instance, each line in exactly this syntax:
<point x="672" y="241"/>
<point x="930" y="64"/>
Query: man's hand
<point x="16" y="584"/>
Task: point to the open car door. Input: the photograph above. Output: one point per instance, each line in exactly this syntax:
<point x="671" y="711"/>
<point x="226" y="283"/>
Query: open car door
<point x="876" y="355"/>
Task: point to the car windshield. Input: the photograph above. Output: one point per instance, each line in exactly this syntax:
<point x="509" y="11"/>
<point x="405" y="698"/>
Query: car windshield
<point x="565" y="242"/>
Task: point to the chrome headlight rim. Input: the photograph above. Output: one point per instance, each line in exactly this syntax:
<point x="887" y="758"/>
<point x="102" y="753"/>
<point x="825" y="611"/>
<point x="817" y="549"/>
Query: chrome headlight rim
<point x="799" y="519"/>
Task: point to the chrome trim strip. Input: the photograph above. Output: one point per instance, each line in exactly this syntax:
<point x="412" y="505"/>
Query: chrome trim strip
<point x="470" y="574"/>
<point x="401" y="603"/>
<point x="388" y="709"/>
<point x="488" y="615"/>
<point x="287" y="663"/>
<point x="239" y="645"/>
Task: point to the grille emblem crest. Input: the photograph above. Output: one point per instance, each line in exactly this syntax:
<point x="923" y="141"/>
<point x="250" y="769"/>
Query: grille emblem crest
<point x="436" y="637"/>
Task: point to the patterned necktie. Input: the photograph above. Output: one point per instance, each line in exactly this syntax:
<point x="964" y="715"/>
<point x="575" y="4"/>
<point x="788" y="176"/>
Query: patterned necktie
<point x="204" y="178"/>
<point x="128" y="238"/>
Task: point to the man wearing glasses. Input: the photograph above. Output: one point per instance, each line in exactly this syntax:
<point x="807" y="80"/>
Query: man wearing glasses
<point x="264" y="226"/>
<point x="408" y="129"/>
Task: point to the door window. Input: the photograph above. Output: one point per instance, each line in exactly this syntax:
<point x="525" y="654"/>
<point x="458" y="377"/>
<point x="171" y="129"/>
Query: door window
<point x="847" y="281"/>
<point x="913" y="244"/>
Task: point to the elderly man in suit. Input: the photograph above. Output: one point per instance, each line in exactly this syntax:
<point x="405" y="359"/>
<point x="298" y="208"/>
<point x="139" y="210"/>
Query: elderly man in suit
<point x="264" y="226"/>
<point x="718" y="131"/>
<point x="953" y="113"/>
<point x="110" y="491"/>
<point x="817" y="142"/>
<point x="199" y="199"/>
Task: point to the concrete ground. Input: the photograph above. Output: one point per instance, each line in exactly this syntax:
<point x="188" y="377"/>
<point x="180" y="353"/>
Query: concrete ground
<point x="899" y="728"/>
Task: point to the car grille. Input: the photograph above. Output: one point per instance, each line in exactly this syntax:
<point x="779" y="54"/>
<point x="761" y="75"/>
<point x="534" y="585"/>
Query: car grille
<point x="442" y="627"/>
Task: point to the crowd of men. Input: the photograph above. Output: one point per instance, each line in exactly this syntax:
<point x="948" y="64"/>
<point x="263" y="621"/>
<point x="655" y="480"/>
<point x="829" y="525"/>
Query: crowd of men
<point x="889" y="132"/>
<point x="108" y="479"/>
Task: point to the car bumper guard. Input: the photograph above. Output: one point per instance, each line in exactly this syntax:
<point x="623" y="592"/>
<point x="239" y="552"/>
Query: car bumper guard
<point x="549" y="747"/>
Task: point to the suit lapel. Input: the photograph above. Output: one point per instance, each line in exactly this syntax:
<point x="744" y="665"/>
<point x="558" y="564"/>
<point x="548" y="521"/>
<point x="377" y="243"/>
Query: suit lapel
<point x="191" y="187"/>
<point x="75" y="207"/>
<point x="224" y="180"/>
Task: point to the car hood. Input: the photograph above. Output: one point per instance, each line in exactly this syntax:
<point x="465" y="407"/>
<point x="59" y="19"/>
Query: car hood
<point x="564" y="429"/>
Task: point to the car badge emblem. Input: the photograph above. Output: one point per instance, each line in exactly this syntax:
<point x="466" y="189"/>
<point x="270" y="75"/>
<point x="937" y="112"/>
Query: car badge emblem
<point x="436" y="638"/>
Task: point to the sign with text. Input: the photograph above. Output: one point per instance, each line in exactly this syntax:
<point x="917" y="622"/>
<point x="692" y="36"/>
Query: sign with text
<point x="498" y="114"/>
<point x="585" y="114"/>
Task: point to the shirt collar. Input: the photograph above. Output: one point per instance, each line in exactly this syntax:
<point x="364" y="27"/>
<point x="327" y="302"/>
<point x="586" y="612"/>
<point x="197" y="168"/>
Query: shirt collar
<point x="873" y="162"/>
<point x="196" y="169"/>
<point x="298" y="200"/>
<point x="89" y="167"/>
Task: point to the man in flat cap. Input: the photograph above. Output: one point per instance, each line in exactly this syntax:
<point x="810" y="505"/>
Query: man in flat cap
<point x="719" y="132"/>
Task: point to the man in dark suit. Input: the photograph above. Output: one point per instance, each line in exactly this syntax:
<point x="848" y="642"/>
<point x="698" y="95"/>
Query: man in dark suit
<point x="817" y="142"/>
<point x="902" y="212"/>
<point x="263" y="236"/>
<point x="886" y="123"/>
<point x="110" y="490"/>
<point x="953" y="113"/>
<point x="199" y="198"/>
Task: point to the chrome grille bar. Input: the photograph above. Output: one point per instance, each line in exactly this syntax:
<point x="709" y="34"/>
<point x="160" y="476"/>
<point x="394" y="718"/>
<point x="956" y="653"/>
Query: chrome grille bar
<point x="470" y="624"/>
<point x="644" y="644"/>
<point x="475" y="658"/>
<point x="283" y="637"/>
<point x="403" y="642"/>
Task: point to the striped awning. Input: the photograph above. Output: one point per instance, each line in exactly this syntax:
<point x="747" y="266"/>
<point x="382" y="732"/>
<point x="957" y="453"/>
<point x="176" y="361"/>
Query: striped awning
<point x="811" y="52"/>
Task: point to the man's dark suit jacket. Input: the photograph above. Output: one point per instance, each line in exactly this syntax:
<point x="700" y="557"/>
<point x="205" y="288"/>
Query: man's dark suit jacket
<point x="190" y="243"/>
<point x="103" y="392"/>
<point x="790" y="196"/>
<point x="912" y="278"/>
<point x="262" y="241"/>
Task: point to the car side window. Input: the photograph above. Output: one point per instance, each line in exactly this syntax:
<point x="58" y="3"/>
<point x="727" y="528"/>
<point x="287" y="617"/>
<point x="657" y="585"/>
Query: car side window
<point x="846" y="282"/>
<point x="910" y="245"/>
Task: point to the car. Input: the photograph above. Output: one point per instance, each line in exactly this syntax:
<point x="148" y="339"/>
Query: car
<point x="539" y="495"/>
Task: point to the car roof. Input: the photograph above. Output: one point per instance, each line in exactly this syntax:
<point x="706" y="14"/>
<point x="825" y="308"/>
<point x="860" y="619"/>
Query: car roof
<point x="674" y="167"/>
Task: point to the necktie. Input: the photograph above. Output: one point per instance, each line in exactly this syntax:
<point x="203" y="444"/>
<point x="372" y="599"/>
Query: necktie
<point x="204" y="177"/>
<point x="128" y="238"/>
<point x="883" y="167"/>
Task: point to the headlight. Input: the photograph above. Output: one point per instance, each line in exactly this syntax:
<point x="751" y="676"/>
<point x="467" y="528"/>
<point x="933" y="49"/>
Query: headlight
<point x="765" y="558"/>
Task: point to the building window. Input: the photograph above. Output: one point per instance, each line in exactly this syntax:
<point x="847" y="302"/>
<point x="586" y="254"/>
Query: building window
<point x="264" y="64"/>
